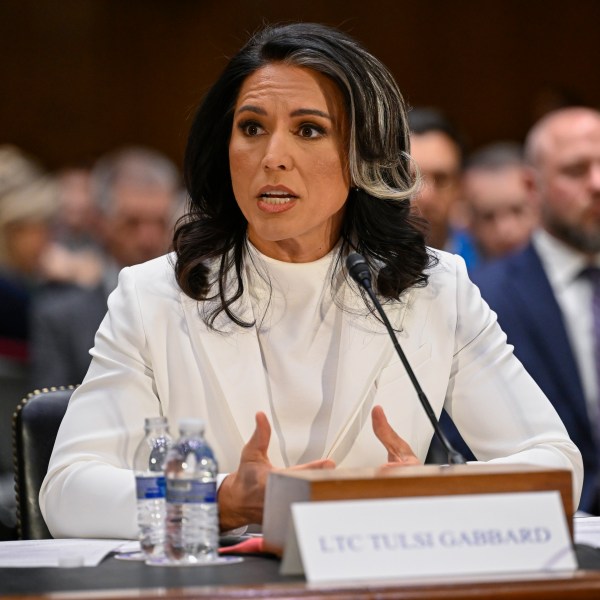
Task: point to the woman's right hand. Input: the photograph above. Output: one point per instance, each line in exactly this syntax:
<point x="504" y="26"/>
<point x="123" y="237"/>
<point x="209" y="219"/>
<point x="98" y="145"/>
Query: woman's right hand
<point x="242" y="493"/>
<point x="399" y="452"/>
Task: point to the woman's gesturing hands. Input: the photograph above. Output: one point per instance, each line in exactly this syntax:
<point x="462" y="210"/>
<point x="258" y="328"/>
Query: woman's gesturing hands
<point x="242" y="493"/>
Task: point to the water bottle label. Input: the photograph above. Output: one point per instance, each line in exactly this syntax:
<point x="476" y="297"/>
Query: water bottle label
<point x="182" y="491"/>
<point x="150" y="487"/>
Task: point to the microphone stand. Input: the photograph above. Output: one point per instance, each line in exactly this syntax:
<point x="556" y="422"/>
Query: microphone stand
<point x="359" y="271"/>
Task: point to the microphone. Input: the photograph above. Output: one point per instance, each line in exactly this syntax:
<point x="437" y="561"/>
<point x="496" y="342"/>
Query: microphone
<point x="359" y="271"/>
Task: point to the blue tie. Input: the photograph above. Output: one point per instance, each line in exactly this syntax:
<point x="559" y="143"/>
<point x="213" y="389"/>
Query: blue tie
<point x="592" y="274"/>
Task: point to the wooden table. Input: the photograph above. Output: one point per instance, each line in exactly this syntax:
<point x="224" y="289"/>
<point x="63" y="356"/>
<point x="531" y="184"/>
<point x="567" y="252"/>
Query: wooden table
<point x="258" y="577"/>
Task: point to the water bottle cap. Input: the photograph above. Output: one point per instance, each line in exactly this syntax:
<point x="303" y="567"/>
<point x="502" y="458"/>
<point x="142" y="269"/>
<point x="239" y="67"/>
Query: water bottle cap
<point x="153" y="422"/>
<point x="191" y="424"/>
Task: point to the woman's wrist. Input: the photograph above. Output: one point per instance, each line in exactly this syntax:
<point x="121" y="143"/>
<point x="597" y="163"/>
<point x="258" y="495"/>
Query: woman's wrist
<point x="231" y="515"/>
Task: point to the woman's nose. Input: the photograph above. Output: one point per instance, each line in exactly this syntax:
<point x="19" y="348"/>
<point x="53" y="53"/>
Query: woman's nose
<point x="277" y="154"/>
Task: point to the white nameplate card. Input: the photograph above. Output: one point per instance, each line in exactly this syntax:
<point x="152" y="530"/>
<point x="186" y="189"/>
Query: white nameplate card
<point x="428" y="536"/>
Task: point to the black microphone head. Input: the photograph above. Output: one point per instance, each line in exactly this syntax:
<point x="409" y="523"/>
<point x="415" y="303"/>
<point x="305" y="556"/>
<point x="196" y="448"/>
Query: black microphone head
<point x="358" y="269"/>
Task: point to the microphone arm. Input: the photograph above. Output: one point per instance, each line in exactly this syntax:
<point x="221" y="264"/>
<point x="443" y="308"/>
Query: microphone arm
<point x="359" y="271"/>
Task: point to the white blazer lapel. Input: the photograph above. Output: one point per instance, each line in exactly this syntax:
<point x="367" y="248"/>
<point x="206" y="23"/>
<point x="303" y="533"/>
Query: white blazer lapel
<point x="364" y="350"/>
<point x="231" y="358"/>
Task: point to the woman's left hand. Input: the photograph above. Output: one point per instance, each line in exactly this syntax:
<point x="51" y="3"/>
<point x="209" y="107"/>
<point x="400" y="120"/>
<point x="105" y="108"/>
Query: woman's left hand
<point x="399" y="452"/>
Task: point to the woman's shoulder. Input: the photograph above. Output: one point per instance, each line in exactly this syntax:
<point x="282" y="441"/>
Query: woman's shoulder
<point x="445" y="264"/>
<point x="151" y="268"/>
<point x="155" y="275"/>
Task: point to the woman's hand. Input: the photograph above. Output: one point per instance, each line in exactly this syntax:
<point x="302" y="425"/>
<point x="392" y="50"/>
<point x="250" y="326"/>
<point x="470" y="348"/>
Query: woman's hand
<point x="241" y="495"/>
<point x="399" y="452"/>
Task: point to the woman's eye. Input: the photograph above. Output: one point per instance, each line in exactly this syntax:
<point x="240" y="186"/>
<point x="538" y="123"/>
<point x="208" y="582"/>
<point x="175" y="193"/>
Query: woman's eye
<point x="310" y="131"/>
<point x="250" y="128"/>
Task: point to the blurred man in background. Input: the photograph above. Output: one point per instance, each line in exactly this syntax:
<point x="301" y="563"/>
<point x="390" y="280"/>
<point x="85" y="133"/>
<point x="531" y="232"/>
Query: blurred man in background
<point x="547" y="297"/>
<point x="136" y="191"/>
<point x="78" y="211"/>
<point x="76" y="254"/>
<point x="499" y="213"/>
<point x="28" y="204"/>
<point x="438" y="150"/>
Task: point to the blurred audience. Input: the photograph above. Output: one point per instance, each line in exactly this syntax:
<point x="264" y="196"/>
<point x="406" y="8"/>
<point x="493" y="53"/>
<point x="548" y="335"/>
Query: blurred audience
<point x="438" y="151"/>
<point x="547" y="296"/>
<point x="136" y="197"/>
<point x="76" y="254"/>
<point x="78" y="213"/>
<point x="500" y="215"/>
<point x="28" y="204"/>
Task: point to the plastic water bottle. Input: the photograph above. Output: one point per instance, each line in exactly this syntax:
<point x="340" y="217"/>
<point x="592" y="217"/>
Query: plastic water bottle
<point x="192" y="514"/>
<point x="148" y="465"/>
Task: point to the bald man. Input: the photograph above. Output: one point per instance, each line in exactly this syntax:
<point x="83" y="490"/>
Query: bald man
<point x="544" y="295"/>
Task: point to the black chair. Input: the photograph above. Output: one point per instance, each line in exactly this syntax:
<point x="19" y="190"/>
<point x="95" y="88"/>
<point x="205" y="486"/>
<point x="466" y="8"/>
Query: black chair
<point x="35" y="425"/>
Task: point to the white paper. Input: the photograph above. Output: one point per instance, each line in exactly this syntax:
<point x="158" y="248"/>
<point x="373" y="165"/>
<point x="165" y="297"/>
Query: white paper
<point x="59" y="553"/>
<point x="433" y="536"/>
<point x="586" y="530"/>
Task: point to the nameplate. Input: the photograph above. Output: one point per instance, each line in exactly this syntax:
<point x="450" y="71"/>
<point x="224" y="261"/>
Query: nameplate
<point x="428" y="536"/>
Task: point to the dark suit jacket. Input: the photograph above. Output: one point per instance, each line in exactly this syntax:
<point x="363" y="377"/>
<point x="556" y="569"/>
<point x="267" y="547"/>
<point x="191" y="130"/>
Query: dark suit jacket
<point x="64" y="322"/>
<point x="518" y="290"/>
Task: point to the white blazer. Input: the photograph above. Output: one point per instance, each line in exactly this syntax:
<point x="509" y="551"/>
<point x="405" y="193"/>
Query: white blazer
<point x="154" y="355"/>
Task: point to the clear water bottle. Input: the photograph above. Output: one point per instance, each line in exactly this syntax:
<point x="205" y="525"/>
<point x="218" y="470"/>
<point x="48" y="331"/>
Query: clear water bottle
<point x="148" y="466"/>
<point x="192" y="514"/>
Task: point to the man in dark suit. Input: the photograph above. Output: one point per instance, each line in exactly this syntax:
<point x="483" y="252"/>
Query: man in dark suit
<point x="437" y="148"/>
<point x="543" y="296"/>
<point x="136" y="193"/>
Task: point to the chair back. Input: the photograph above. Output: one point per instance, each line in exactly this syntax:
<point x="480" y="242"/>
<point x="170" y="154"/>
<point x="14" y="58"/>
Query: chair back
<point x="35" y="425"/>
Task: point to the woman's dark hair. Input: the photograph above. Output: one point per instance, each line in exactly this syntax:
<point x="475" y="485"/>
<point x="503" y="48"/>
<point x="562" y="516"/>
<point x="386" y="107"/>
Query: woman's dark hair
<point x="378" y="221"/>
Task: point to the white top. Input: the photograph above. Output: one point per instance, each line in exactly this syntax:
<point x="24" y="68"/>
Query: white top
<point x="155" y="355"/>
<point x="573" y="293"/>
<point x="298" y="326"/>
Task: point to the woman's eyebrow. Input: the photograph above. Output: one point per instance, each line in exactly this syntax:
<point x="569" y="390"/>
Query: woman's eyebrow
<point x="251" y="108"/>
<point x="300" y="112"/>
<point x="310" y="111"/>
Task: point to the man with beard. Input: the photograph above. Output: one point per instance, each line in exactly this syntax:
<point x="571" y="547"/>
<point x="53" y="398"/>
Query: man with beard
<point x="547" y="296"/>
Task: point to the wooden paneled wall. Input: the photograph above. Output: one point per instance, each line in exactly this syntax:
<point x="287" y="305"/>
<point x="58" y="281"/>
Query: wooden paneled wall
<point x="80" y="77"/>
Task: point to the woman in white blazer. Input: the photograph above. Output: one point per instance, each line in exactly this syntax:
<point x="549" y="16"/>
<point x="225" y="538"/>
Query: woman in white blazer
<point x="297" y="155"/>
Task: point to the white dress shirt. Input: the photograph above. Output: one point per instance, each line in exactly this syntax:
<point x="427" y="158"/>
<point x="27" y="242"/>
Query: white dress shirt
<point x="563" y="266"/>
